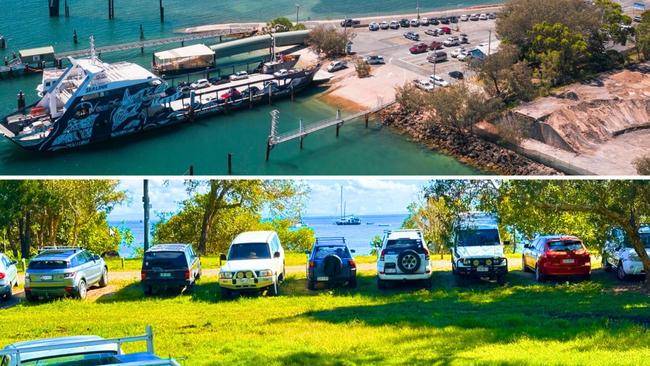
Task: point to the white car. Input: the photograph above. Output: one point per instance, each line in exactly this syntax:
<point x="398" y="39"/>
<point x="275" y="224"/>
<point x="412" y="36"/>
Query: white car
<point x="255" y="263"/>
<point x="483" y="17"/>
<point x="438" y="81"/>
<point x="619" y="255"/>
<point x="457" y="52"/>
<point x="200" y="84"/>
<point x="403" y="256"/>
<point x="477" y="251"/>
<point x="281" y="73"/>
<point x="464" y="18"/>
<point x="384" y="25"/>
<point x="415" y="23"/>
<point x="8" y="276"/>
<point x="394" y="24"/>
<point x="423" y="84"/>
<point x="463" y="55"/>
<point x="336" y="66"/>
<point x="374" y="60"/>
<point x="373" y="26"/>
<point x="239" y="75"/>
<point x="424" y="21"/>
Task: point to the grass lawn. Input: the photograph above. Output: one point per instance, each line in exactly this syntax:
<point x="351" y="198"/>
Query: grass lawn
<point x="601" y="322"/>
<point x="292" y="259"/>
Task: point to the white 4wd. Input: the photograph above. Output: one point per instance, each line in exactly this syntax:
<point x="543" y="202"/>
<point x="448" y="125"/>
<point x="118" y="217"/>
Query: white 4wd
<point x="619" y="255"/>
<point x="403" y="256"/>
<point x="255" y="263"/>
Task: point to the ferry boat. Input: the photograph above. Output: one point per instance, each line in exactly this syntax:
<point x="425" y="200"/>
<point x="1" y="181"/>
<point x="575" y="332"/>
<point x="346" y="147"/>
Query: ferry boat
<point x="94" y="101"/>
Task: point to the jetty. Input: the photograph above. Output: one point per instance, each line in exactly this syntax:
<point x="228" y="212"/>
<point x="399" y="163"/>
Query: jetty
<point x="302" y="131"/>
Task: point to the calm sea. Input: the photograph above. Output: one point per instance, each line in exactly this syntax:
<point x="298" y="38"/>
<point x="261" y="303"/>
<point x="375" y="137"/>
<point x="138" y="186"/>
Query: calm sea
<point x="358" y="237"/>
<point x="206" y="144"/>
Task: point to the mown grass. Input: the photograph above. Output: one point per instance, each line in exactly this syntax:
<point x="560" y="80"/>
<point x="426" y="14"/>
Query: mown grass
<point x="600" y="322"/>
<point x="292" y="259"/>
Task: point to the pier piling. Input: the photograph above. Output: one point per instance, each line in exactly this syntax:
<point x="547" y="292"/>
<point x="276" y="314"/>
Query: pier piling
<point x="111" y="9"/>
<point x="3" y="43"/>
<point x="75" y="40"/>
<point x="66" y="9"/>
<point x="229" y="163"/>
<point x="367" y="118"/>
<point x="190" y="171"/>
<point x="21" y="100"/>
<point x="162" y="12"/>
<point x="54" y="7"/>
<point x="141" y="32"/>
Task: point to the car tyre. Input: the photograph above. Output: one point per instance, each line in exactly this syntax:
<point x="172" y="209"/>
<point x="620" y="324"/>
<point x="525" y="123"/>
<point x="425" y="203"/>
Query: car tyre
<point x="607" y="267"/>
<point x="9" y="294"/>
<point x="82" y="290"/>
<point x="539" y="276"/>
<point x="381" y="284"/>
<point x="311" y="285"/>
<point x="226" y="294"/>
<point x="620" y="272"/>
<point x="103" y="281"/>
<point x="353" y="282"/>
<point x="501" y="279"/>
<point x="30" y="298"/>
<point x="524" y="267"/>
<point x="273" y="289"/>
<point x="148" y="291"/>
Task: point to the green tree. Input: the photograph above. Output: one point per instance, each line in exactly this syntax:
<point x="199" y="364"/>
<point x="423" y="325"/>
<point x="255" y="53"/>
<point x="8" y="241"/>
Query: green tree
<point x="613" y="17"/>
<point x="283" y="24"/>
<point x="504" y="75"/>
<point x="642" y="35"/>
<point x="329" y="40"/>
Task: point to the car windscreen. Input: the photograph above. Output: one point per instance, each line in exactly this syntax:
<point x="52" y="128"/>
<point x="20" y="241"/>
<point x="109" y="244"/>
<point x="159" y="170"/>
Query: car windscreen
<point x="48" y="264"/>
<point x="88" y="359"/>
<point x="565" y="245"/>
<point x="478" y="237"/>
<point x="403" y="243"/>
<point x="249" y="251"/>
<point x="645" y="239"/>
<point x="323" y="251"/>
<point x="165" y="260"/>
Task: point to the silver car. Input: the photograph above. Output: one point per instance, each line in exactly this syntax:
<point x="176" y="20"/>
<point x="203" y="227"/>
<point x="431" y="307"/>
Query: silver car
<point x="8" y="276"/>
<point x="64" y="271"/>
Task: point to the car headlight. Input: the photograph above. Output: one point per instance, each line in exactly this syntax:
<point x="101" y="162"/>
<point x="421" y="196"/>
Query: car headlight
<point x="266" y="273"/>
<point x="467" y="262"/>
<point x="489" y="262"/>
<point x="225" y="275"/>
<point x="476" y="262"/>
<point x="69" y="275"/>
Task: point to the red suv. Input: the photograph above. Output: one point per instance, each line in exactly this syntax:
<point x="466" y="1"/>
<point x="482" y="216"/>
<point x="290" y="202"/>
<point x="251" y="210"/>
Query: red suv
<point x="435" y="45"/>
<point x="419" y="48"/>
<point x="556" y="256"/>
<point x="447" y="30"/>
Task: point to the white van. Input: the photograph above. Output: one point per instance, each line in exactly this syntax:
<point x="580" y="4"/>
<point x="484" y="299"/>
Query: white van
<point x="255" y="263"/>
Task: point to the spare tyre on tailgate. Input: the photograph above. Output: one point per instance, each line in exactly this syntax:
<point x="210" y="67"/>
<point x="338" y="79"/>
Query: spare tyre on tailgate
<point x="332" y="265"/>
<point x="409" y="261"/>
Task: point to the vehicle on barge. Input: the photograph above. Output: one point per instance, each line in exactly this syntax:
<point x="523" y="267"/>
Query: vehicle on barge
<point x="94" y="101"/>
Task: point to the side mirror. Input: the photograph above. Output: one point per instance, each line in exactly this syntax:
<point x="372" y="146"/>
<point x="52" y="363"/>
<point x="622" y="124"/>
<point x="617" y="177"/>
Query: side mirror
<point x="13" y="262"/>
<point x="222" y="257"/>
<point x="276" y="255"/>
<point x="352" y="251"/>
<point x="307" y="252"/>
<point x="96" y="257"/>
<point x="506" y="242"/>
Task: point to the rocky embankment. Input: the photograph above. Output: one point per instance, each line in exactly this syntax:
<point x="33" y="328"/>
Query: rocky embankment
<point x="466" y="147"/>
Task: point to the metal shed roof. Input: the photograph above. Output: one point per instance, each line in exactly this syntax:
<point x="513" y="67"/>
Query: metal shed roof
<point x="37" y="51"/>
<point x="196" y="50"/>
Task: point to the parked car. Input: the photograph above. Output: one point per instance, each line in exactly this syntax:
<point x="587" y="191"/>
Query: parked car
<point x="374" y="60"/>
<point x="81" y="350"/>
<point x="556" y="255"/>
<point x="435" y="45"/>
<point x="464" y="38"/>
<point x="424" y="84"/>
<point x="474" y="17"/>
<point x="239" y="75"/>
<point x="483" y="17"/>
<point x="451" y="42"/>
<point x="619" y="255"/>
<point x="337" y="65"/>
<point x="8" y="276"/>
<point x="418" y="48"/>
<point x="463" y="55"/>
<point x="437" y="56"/>
<point x="457" y="52"/>
<point x="637" y="18"/>
<point x="445" y="30"/>
<point x="445" y="20"/>
<point x="434" y="21"/>
<point x="403" y="256"/>
<point x="64" y="271"/>
<point x="255" y="263"/>
<point x="464" y="18"/>
<point x="424" y="21"/>
<point x="330" y="261"/>
<point x="431" y="32"/>
<point x="373" y="26"/>
<point x="394" y="24"/>
<point x="456" y="75"/>
<point x="412" y="36"/>
<point x="281" y="73"/>
<point x="200" y="84"/>
<point x="404" y="23"/>
<point x="415" y="23"/>
<point x="477" y="251"/>
<point x="438" y="81"/>
<point x="492" y="16"/>
<point x="347" y="23"/>
<point x="170" y="266"/>
<point x="453" y="19"/>
<point x="384" y="25"/>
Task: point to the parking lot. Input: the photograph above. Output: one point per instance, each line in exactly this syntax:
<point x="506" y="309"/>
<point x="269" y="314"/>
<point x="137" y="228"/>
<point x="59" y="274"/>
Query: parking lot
<point x="394" y="47"/>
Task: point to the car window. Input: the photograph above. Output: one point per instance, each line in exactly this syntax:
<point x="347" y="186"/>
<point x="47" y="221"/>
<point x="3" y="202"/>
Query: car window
<point x="645" y="239"/>
<point x="249" y="251"/>
<point x="540" y="245"/>
<point x="478" y="237"/>
<point x="323" y="251"/>
<point x="75" y="261"/>
<point x="403" y="243"/>
<point x="48" y="264"/>
<point x="565" y="245"/>
<point x="90" y="359"/>
<point x="165" y="260"/>
<point x="5" y="262"/>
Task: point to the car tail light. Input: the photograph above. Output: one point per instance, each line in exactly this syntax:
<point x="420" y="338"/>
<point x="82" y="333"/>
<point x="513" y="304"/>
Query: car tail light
<point x="143" y="275"/>
<point x="2" y="275"/>
<point x="68" y="290"/>
<point x="426" y="253"/>
<point x="187" y="274"/>
<point x="312" y="264"/>
<point x="352" y="264"/>
<point x="381" y="256"/>
<point x="69" y="275"/>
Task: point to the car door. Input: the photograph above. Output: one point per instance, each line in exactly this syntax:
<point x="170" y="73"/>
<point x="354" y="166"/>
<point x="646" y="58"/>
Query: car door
<point x="275" y="247"/>
<point x="528" y="254"/>
<point x="12" y="269"/>
<point x="617" y="247"/>
<point x="89" y="266"/>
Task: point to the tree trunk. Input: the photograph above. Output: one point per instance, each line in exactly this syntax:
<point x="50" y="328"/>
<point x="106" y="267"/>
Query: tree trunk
<point x="12" y="243"/>
<point x="207" y="217"/>
<point x="637" y="244"/>
<point x="24" y="225"/>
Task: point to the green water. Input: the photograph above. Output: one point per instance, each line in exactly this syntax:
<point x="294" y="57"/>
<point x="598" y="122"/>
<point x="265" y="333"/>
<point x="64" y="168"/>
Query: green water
<point x="206" y="143"/>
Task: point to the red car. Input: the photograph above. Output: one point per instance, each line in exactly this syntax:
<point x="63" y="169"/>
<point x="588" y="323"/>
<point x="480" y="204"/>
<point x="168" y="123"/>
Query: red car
<point x="435" y="45"/>
<point x="556" y="256"/>
<point x="419" y="48"/>
<point x="447" y="30"/>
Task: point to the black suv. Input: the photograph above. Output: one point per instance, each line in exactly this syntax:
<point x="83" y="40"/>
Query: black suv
<point x="167" y="266"/>
<point x="404" y="23"/>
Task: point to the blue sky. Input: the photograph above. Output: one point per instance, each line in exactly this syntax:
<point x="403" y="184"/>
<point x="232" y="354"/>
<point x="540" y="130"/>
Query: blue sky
<point x="363" y="196"/>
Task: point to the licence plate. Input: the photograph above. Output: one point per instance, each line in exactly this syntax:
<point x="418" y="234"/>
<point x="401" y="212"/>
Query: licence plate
<point x="165" y="275"/>
<point x="568" y="261"/>
<point x="481" y="269"/>
<point x="391" y="270"/>
<point x="322" y="278"/>
<point x="46" y="278"/>
<point x="243" y="281"/>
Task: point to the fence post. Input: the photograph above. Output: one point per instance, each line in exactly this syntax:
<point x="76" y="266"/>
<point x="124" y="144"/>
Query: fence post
<point x="122" y="262"/>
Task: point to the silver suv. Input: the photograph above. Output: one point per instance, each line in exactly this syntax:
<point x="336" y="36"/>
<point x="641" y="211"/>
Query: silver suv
<point x="64" y="271"/>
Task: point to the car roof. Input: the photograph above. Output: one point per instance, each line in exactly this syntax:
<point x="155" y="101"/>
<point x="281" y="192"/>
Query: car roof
<point x="57" y="254"/>
<point x="172" y="247"/>
<point x="250" y="237"/>
<point x="404" y="234"/>
<point x="559" y="237"/>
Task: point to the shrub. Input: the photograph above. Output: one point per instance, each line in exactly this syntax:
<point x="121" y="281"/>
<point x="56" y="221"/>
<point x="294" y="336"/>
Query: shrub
<point x="362" y="68"/>
<point x="642" y="165"/>
<point x="329" y="40"/>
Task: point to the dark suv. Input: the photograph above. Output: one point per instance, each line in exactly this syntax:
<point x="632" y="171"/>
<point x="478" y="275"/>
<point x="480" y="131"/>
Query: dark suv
<point x="330" y="261"/>
<point x="167" y="266"/>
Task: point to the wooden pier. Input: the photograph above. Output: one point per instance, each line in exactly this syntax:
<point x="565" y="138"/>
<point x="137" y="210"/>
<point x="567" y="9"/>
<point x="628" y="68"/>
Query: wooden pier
<point x="233" y="31"/>
<point x="302" y="131"/>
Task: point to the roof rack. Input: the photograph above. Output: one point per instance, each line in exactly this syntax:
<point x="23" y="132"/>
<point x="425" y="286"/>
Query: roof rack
<point x="15" y="352"/>
<point x="330" y="239"/>
<point x="59" y="247"/>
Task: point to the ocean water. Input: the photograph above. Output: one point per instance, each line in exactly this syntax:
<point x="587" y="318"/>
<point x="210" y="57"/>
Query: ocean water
<point x="205" y="144"/>
<point x="358" y="237"/>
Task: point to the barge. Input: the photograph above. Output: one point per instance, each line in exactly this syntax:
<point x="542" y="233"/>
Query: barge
<point x="93" y="101"/>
